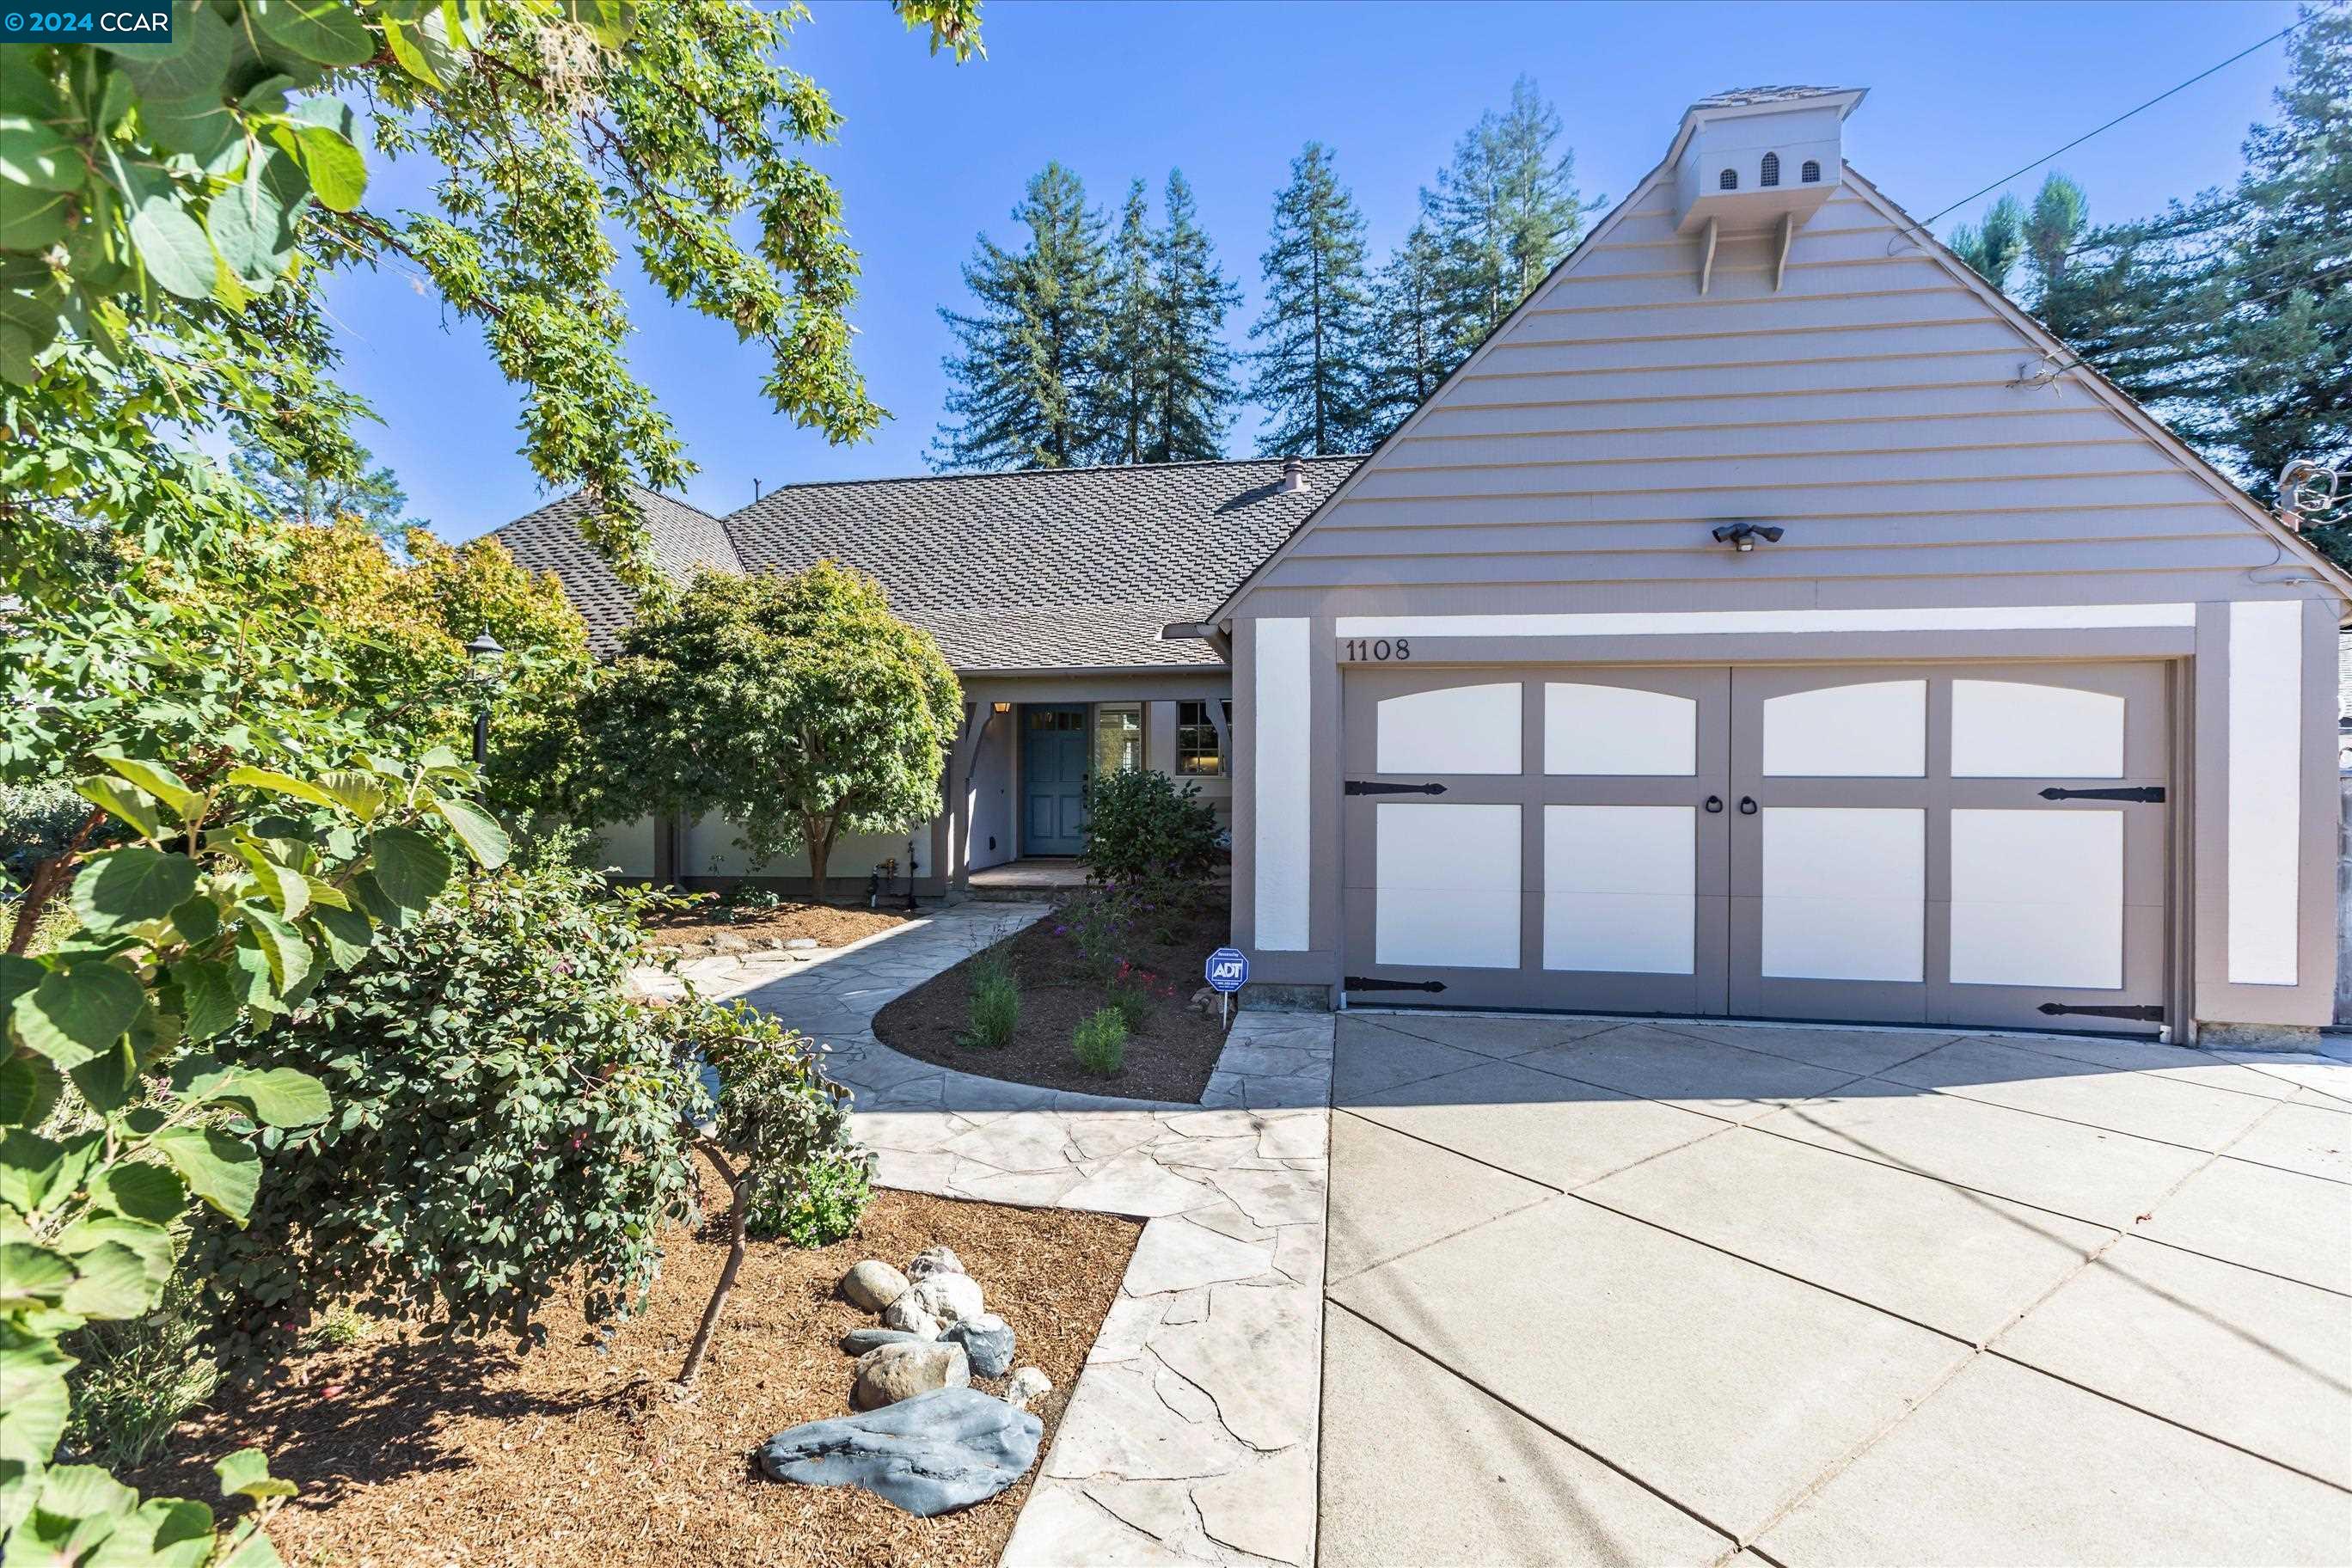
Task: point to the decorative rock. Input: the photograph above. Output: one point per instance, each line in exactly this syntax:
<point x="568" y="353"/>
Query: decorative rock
<point x="909" y="1313"/>
<point x="934" y="1260"/>
<point x="857" y="1341"/>
<point x="987" y="1338"/>
<point x="896" y="1371"/>
<point x="941" y="1451"/>
<point x="799" y="944"/>
<point x="946" y="1297"/>
<point x="873" y="1285"/>
<point x="1029" y="1386"/>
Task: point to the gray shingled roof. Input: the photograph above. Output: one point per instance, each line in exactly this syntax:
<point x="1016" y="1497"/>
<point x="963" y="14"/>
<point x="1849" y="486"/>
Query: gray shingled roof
<point x="549" y="541"/>
<point x="1048" y="569"/>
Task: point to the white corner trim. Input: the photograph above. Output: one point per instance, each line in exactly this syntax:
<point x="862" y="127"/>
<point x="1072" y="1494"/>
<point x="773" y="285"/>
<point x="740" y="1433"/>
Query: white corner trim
<point x="1282" y="855"/>
<point x="2265" y="825"/>
<point x="1644" y="622"/>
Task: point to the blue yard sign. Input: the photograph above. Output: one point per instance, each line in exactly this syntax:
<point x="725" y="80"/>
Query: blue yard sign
<point x="1228" y="971"/>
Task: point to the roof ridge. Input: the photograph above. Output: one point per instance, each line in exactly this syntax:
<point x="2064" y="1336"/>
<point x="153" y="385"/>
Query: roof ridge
<point x="967" y="476"/>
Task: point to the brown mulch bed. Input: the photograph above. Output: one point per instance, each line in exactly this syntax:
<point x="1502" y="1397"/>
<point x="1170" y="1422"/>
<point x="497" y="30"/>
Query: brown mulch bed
<point x="1170" y="1058"/>
<point x="415" y="1453"/>
<point x="831" y="925"/>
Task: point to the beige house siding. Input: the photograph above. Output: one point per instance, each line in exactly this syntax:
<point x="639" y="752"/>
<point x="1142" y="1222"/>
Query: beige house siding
<point x="1924" y="448"/>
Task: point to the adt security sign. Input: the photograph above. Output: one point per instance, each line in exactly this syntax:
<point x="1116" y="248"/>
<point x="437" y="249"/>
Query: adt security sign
<point x="1228" y="971"/>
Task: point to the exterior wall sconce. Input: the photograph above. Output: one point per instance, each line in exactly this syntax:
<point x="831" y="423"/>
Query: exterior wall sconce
<point x="1000" y="708"/>
<point x="1742" y="536"/>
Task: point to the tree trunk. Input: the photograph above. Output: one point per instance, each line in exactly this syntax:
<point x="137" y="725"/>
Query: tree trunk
<point x="701" y="1345"/>
<point x="50" y="878"/>
<point x="819" y="836"/>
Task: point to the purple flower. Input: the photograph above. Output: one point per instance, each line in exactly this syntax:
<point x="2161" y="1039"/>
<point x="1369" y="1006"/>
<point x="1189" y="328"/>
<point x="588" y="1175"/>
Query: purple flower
<point x="1060" y="931"/>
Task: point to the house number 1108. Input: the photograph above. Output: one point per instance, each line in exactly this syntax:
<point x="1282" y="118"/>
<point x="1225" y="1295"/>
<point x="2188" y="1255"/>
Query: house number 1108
<point x="1380" y="650"/>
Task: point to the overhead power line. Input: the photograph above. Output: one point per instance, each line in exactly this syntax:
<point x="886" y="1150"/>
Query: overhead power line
<point x="2126" y="114"/>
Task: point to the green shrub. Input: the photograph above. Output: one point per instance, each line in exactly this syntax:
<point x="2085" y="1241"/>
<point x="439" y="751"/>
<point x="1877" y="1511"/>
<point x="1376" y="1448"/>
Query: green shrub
<point x="995" y="1002"/>
<point x="776" y="1128"/>
<point x="507" y="1125"/>
<point x="780" y="1117"/>
<point x="1142" y="826"/>
<point x="138" y="1380"/>
<point x="1100" y="1042"/>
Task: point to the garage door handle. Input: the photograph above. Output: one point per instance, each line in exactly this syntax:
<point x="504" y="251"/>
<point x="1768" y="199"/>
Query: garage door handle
<point x="1714" y="804"/>
<point x="1746" y="806"/>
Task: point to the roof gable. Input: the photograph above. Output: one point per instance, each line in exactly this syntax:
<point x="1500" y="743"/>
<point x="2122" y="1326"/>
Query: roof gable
<point x="1876" y="398"/>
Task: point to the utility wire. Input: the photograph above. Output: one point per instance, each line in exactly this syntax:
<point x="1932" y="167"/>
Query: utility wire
<point x="2127" y="113"/>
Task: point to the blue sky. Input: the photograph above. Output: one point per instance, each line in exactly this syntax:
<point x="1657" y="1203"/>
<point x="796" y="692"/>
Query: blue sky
<point x="932" y="152"/>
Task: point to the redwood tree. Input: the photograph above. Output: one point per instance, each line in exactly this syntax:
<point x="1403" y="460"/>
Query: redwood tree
<point x="799" y="707"/>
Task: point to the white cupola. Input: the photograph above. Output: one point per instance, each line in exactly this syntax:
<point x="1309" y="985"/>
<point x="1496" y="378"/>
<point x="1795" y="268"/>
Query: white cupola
<point x="1746" y="160"/>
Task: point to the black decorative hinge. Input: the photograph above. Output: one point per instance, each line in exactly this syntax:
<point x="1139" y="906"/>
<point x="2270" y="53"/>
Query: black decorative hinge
<point x="1374" y="786"/>
<point x="1366" y="982"/>
<point x="2153" y="793"/>
<point x="2142" y="1014"/>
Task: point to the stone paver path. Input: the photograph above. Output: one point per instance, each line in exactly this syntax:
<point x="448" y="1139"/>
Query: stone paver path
<point x="1191" y="1434"/>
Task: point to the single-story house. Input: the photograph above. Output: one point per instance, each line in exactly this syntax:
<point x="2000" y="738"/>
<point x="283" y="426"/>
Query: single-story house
<point x="1770" y="619"/>
<point x="1050" y="592"/>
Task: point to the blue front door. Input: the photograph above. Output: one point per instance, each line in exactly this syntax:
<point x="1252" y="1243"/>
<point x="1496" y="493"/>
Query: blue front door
<point x="1053" y="779"/>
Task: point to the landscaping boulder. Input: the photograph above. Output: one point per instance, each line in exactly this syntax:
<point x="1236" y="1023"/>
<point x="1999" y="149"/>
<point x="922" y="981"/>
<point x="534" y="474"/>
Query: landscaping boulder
<point x="872" y="1285"/>
<point x="946" y="1449"/>
<point x="948" y="1297"/>
<point x="909" y="1313"/>
<point x="800" y="943"/>
<point x="857" y="1341"/>
<point x="889" y="1373"/>
<point x="987" y="1338"/>
<point x="934" y="1260"/>
<point x="1028" y="1386"/>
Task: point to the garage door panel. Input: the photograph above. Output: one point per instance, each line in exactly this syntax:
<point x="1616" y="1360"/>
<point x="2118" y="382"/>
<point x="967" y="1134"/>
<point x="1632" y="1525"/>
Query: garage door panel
<point x="1867" y="843"/>
<point x="1447" y="886"/>
<point x="1843" y="893"/>
<point x="2038" y="899"/>
<point x="1608" y="876"/>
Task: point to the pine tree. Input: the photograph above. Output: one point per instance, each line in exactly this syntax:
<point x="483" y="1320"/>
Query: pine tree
<point x="1192" y="379"/>
<point x="1311" y="372"/>
<point x="2288" y="329"/>
<point x="2231" y="315"/>
<point x="1415" y="350"/>
<point x="1504" y="213"/>
<point x="1993" y="248"/>
<point x="1024" y="386"/>
<point x="1130" y="345"/>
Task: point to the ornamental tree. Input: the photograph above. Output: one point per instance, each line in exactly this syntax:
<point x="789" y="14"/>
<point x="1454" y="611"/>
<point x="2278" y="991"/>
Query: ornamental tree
<point x="799" y="707"/>
<point x="165" y="209"/>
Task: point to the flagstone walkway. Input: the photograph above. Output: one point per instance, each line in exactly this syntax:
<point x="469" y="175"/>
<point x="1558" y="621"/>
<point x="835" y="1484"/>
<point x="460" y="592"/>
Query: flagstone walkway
<point x="1191" y="1437"/>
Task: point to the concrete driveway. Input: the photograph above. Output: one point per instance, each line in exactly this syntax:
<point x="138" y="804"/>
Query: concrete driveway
<point x="1639" y="1293"/>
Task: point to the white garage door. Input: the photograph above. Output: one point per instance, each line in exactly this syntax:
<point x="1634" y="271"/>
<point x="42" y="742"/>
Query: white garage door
<point x="1961" y="844"/>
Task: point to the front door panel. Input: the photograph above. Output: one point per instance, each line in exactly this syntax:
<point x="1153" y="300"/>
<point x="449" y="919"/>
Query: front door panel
<point x="1053" y="779"/>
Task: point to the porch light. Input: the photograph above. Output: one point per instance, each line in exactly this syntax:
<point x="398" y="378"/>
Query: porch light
<point x="1000" y="708"/>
